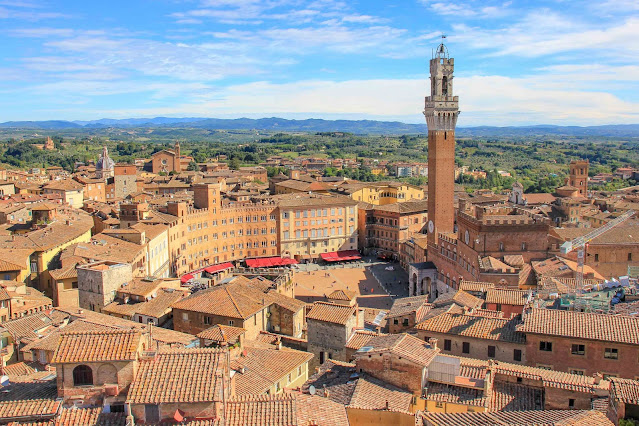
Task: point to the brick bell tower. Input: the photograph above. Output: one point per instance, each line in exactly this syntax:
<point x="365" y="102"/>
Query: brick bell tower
<point x="441" y="113"/>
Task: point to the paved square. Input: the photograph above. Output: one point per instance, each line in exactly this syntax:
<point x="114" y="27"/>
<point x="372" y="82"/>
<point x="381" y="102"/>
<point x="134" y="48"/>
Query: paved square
<point x="311" y="286"/>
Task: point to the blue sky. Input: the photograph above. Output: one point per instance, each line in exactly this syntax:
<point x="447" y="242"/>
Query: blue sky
<point x="566" y="62"/>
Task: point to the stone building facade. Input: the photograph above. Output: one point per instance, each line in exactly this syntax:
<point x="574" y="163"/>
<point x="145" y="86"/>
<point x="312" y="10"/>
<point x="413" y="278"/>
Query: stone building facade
<point x="329" y="328"/>
<point x="99" y="281"/>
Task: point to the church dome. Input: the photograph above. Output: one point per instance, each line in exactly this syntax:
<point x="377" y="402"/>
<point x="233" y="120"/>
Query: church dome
<point x="105" y="162"/>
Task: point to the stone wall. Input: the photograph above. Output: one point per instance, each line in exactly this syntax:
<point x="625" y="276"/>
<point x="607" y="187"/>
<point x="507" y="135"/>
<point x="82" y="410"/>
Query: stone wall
<point x="98" y="282"/>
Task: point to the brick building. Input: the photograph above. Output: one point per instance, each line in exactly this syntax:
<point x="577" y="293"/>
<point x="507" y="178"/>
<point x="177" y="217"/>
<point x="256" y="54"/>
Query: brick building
<point x="476" y="334"/>
<point x="95" y="365"/>
<point x="382" y="228"/>
<point x="582" y="343"/>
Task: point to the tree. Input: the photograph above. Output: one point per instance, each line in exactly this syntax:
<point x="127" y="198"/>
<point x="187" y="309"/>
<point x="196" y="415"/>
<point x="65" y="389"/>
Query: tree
<point x="193" y="167"/>
<point x="234" y="164"/>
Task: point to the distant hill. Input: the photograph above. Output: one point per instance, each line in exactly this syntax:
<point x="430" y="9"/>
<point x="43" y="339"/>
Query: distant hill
<point x="319" y="125"/>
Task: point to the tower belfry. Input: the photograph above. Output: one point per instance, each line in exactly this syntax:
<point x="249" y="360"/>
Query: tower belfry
<point x="441" y="111"/>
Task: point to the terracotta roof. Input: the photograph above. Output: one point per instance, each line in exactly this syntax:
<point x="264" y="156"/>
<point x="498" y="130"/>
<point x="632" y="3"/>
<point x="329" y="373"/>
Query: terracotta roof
<point x="466" y="299"/>
<point x="543" y="198"/>
<point x="312" y="409"/>
<point x="275" y="410"/>
<point x="480" y="327"/>
<point x="333" y="381"/>
<point x="50" y="341"/>
<point x="29" y="400"/>
<point x="222" y="301"/>
<point x="265" y="365"/>
<point x="373" y="394"/>
<point x="486" y="313"/>
<point x="561" y="267"/>
<point x="156" y="307"/>
<point x="582" y="325"/>
<point x="179" y="376"/>
<point x="161" y="335"/>
<point x="404" y="345"/>
<point x="492" y="264"/>
<point x="441" y="392"/>
<point x="89" y="416"/>
<point x="97" y="346"/>
<point x="222" y="333"/>
<point x="360" y="338"/>
<point x="516" y="418"/>
<point x="621" y="234"/>
<point x="625" y="390"/>
<point x="407" y="305"/>
<point x="312" y="200"/>
<point x="551" y="378"/>
<point x="6" y="266"/>
<point x="342" y="295"/>
<point x="331" y="312"/>
<point x="64" y="273"/>
<point x="64" y="185"/>
<point x="405" y="207"/>
<point x="507" y="296"/>
<point x="106" y="247"/>
<point x="54" y="234"/>
<point x="143" y="287"/>
<point x="515" y="397"/>
<point x="28" y="326"/>
<point x="18" y="369"/>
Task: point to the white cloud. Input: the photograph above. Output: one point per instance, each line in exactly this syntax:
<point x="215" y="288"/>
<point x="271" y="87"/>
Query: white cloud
<point x="468" y="9"/>
<point x="544" y="33"/>
<point x="484" y="100"/>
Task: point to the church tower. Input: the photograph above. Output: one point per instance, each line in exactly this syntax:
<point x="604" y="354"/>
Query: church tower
<point x="441" y="113"/>
<point x="177" y="165"/>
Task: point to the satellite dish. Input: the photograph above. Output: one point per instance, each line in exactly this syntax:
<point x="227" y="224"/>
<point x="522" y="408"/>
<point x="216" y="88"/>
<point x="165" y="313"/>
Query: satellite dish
<point x="4" y="380"/>
<point x="311" y="389"/>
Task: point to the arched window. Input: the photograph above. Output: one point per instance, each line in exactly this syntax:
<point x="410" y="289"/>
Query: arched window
<point x="445" y="86"/>
<point x="82" y="375"/>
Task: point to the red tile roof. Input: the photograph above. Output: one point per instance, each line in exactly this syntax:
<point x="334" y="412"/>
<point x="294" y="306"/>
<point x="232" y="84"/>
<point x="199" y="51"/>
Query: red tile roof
<point x="97" y="346"/>
<point x="330" y="312"/>
<point x="582" y="325"/>
<point x="277" y="410"/>
<point x="466" y="299"/>
<point x="264" y="365"/>
<point x="89" y="416"/>
<point x="313" y="409"/>
<point x="222" y="333"/>
<point x="625" y="390"/>
<point x="480" y="327"/>
<point x="373" y="394"/>
<point x="29" y="400"/>
<point x="516" y="418"/>
<point x="179" y="376"/>
<point x="506" y="296"/>
<point x="404" y="345"/>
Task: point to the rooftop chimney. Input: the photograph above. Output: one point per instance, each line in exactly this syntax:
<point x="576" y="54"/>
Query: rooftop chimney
<point x="433" y="342"/>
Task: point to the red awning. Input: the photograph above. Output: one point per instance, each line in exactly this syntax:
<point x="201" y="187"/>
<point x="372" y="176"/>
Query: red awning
<point x="219" y="267"/>
<point x="186" y="278"/>
<point x="339" y="256"/>
<point x="265" y="262"/>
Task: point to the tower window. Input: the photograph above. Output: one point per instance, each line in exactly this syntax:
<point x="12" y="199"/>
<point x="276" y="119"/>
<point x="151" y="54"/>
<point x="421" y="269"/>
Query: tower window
<point x="444" y="85"/>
